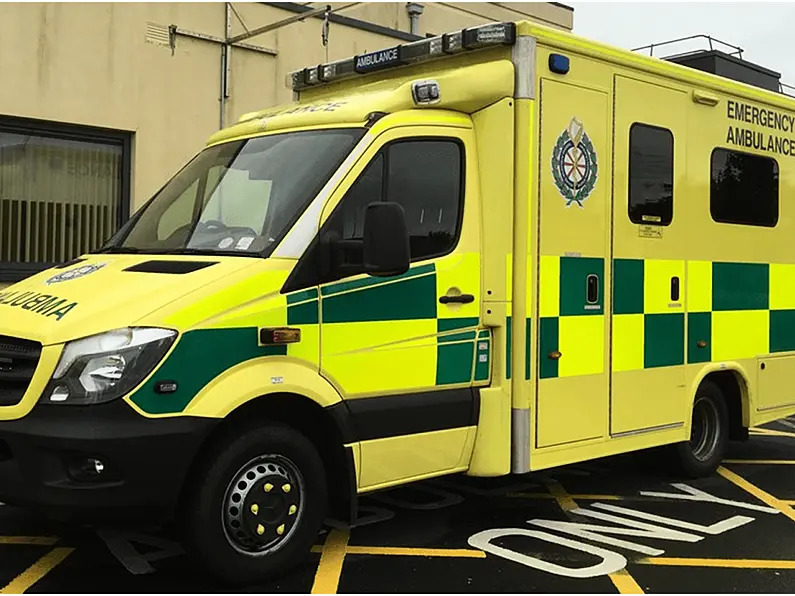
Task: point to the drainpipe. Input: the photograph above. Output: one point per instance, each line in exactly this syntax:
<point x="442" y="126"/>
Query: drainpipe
<point x="226" y="64"/>
<point x="415" y="10"/>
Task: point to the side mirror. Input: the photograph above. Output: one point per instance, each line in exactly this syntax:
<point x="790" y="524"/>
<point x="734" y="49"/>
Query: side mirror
<point x="386" y="248"/>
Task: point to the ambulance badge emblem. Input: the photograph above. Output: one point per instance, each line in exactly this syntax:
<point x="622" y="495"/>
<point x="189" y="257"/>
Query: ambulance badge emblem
<point x="574" y="164"/>
<point x="74" y="273"/>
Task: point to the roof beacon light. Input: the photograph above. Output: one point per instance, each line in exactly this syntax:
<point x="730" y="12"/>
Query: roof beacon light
<point x="488" y="35"/>
<point x="425" y="49"/>
<point x="425" y="93"/>
<point x="337" y="70"/>
<point x="312" y="75"/>
<point x="453" y="42"/>
<point x="473" y="38"/>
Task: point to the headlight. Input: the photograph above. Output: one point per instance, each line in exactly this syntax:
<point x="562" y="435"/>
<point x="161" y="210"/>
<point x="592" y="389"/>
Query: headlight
<point x="104" y="367"/>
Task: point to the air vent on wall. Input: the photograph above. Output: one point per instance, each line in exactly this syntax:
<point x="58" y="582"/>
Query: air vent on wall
<point x="158" y="34"/>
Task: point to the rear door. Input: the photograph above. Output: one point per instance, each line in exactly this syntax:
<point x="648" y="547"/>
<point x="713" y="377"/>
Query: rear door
<point x="648" y="318"/>
<point x="572" y="400"/>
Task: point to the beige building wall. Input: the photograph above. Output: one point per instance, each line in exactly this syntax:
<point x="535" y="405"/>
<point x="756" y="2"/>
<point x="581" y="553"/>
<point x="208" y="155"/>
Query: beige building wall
<point x="114" y="65"/>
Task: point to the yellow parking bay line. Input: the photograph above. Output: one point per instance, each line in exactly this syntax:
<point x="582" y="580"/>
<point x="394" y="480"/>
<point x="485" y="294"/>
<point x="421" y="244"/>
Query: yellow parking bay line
<point x="37" y="571"/>
<point x="403" y="551"/>
<point x="772" y="432"/>
<point x="561" y="496"/>
<point x="625" y="583"/>
<point x="29" y="540"/>
<point x="763" y="496"/>
<point x="546" y="496"/>
<point x="327" y="576"/>
<point x="622" y="580"/>
<point x="765" y="462"/>
<point x="725" y="563"/>
<point x="464" y="553"/>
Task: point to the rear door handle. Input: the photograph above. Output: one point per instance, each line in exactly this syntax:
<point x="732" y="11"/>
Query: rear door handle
<point x="462" y="299"/>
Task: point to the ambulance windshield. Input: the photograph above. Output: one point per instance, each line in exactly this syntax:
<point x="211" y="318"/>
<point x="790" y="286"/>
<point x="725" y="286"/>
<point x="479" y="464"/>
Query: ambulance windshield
<point x="237" y="198"/>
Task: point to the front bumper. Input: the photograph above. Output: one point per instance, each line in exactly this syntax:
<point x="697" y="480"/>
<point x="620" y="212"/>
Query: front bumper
<point x="144" y="461"/>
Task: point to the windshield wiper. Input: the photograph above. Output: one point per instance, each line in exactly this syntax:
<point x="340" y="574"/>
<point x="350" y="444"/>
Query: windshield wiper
<point x="122" y="250"/>
<point x="213" y="253"/>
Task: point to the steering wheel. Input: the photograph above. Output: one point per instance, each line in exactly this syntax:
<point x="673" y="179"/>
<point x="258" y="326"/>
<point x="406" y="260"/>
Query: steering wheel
<point x="213" y="224"/>
<point x="219" y="232"/>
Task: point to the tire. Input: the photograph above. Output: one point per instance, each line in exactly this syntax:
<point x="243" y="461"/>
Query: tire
<point x="709" y="435"/>
<point x="277" y="477"/>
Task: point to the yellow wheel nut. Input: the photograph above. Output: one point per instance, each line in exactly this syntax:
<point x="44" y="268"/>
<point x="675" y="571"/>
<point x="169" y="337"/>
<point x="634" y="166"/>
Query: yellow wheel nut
<point x="286" y="488"/>
<point x="254" y="508"/>
<point x="260" y="529"/>
<point x="293" y="509"/>
<point x="280" y="530"/>
<point x="268" y="487"/>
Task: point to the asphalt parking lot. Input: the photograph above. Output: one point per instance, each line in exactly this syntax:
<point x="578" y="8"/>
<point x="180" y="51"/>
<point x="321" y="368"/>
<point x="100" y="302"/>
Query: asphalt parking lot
<point x="612" y="526"/>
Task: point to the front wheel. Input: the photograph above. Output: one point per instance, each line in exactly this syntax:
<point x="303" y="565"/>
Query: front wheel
<point x="709" y="435"/>
<point x="256" y="505"/>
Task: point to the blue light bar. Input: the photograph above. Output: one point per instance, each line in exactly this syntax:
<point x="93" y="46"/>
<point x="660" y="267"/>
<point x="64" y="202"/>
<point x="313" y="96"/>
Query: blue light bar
<point x="473" y="38"/>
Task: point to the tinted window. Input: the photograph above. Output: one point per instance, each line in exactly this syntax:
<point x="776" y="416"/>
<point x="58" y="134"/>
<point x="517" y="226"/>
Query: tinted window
<point x="425" y="177"/>
<point x="744" y="189"/>
<point x="651" y="175"/>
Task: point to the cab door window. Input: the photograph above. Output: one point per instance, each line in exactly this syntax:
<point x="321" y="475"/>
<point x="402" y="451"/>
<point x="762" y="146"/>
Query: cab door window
<point x="425" y="176"/>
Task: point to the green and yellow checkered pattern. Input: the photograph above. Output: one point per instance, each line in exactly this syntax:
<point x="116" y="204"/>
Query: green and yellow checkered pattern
<point x="734" y="311"/>
<point x="568" y="323"/>
<point x="648" y="322"/>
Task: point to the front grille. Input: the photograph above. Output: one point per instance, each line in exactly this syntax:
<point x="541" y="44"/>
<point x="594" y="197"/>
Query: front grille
<point x="18" y="361"/>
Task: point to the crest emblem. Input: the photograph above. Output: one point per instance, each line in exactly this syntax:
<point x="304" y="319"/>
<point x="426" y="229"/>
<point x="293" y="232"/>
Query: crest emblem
<point x="74" y="273"/>
<point x="574" y="164"/>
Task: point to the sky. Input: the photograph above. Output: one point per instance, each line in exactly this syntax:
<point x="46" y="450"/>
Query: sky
<point x="764" y="30"/>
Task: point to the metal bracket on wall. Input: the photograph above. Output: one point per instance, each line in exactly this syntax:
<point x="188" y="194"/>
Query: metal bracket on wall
<point x="175" y="31"/>
<point x="237" y="41"/>
<point x="226" y="46"/>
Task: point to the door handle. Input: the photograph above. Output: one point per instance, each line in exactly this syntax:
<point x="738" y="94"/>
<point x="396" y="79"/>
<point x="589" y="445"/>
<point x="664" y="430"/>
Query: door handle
<point x="461" y="299"/>
<point x="675" y="289"/>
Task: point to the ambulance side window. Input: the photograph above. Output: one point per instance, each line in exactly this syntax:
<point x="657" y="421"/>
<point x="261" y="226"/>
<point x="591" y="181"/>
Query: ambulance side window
<point x="743" y="189"/>
<point x="651" y="175"/>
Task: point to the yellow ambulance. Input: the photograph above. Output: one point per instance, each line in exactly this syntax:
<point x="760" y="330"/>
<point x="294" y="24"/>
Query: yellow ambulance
<point x="494" y="251"/>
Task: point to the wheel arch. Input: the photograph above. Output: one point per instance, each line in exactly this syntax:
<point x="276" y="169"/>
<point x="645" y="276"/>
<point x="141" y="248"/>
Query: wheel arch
<point x="732" y="381"/>
<point x="329" y="429"/>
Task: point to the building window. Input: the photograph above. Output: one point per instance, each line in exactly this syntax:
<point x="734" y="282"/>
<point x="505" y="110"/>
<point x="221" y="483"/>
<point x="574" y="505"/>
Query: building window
<point x="744" y="189"/>
<point x="63" y="191"/>
<point x="651" y="175"/>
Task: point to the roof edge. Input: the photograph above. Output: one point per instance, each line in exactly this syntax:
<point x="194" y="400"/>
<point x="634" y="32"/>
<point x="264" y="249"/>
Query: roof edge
<point x="564" y="6"/>
<point x="348" y="21"/>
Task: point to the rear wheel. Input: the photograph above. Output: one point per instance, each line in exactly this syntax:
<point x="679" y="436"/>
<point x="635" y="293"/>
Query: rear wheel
<point x="709" y="435"/>
<point x="256" y="506"/>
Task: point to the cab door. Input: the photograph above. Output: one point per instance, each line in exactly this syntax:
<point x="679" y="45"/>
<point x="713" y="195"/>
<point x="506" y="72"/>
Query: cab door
<point x="403" y="351"/>
<point x="572" y="400"/>
<point x="648" y="317"/>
